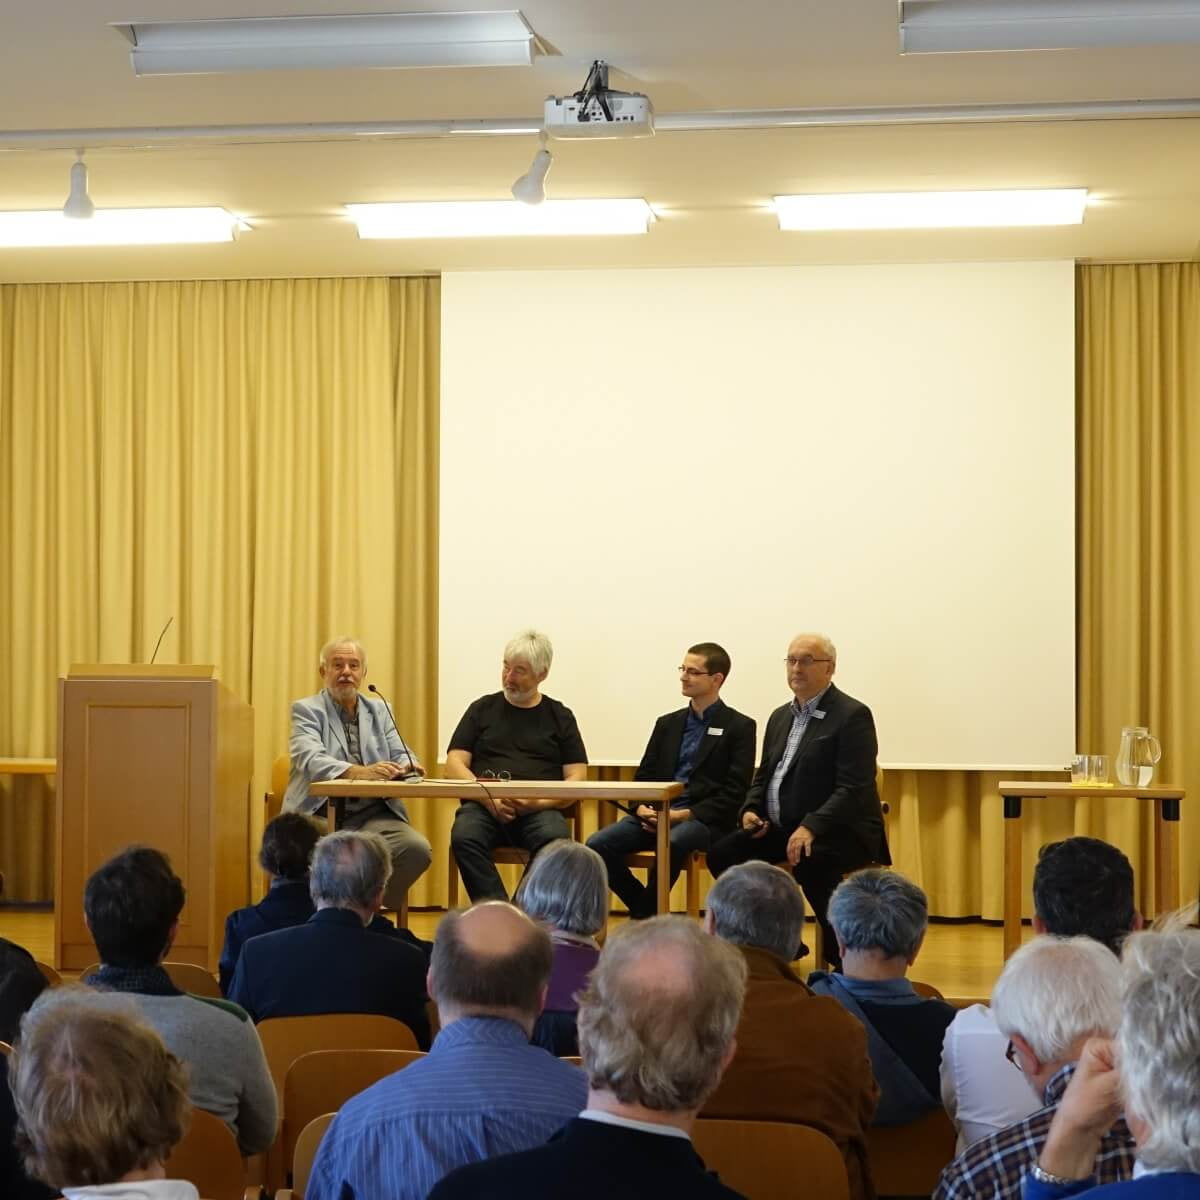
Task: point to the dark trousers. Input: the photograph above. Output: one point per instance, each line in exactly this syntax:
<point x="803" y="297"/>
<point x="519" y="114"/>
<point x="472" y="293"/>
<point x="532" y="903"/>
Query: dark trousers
<point x="626" y="837"/>
<point x="834" y="855"/>
<point x="477" y="833"/>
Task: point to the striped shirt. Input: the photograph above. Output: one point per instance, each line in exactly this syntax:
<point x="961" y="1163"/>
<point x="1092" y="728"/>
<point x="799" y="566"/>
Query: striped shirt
<point x="482" y="1090"/>
<point x="801" y="715"/>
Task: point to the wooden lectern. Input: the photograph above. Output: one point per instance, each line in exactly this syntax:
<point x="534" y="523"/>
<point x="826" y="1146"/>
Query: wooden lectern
<point x="159" y="756"/>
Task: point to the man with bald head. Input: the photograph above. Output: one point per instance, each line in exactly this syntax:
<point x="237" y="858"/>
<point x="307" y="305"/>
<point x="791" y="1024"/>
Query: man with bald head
<point x="813" y="802"/>
<point x="483" y="1090"/>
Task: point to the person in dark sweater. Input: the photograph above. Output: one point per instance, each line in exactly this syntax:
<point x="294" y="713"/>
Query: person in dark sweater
<point x="879" y="919"/>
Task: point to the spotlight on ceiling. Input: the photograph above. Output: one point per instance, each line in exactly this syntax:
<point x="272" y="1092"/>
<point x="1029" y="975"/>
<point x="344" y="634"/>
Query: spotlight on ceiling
<point x="531" y="187"/>
<point x="79" y="206"/>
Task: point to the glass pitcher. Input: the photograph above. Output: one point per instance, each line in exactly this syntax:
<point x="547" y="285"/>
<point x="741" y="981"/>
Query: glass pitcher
<point x="1136" y="758"/>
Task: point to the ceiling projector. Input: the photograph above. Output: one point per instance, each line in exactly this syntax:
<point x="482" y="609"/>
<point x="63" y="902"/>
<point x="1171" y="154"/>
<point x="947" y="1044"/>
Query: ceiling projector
<point x="597" y="111"/>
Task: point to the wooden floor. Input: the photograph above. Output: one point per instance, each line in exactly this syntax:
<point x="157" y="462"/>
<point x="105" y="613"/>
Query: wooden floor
<point x="960" y="960"/>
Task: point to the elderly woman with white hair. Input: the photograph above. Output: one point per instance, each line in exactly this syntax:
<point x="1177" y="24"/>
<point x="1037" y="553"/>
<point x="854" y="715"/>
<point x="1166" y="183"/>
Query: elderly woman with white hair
<point x="1151" y="1069"/>
<point x="566" y="890"/>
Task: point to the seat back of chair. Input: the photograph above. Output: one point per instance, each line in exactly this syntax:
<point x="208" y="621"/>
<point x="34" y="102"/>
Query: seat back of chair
<point x="52" y="977"/>
<point x="187" y="977"/>
<point x="208" y="1156"/>
<point x="771" y="1160"/>
<point x="906" y="1160"/>
<point x="307" y="1145"/>
<point x="5" y="1049"/>
<point x="280" y="769"/>
<point x="926" y="989"/>
<point x="325" y="1079"/>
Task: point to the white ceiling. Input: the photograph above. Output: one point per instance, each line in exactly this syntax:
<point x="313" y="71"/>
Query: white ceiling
<point x="61" y="67"/>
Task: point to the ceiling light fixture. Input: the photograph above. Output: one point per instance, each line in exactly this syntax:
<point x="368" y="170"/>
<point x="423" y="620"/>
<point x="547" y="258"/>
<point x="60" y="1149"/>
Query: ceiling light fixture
<point x="531" y="187"/>
<point x="120" y="227"/>
<point x="79" y="206"/>
<point x="932" y="210"/>
<point x="387" y="40"/>
<point x="501" y="218"/>
<point x="950" y="26"/>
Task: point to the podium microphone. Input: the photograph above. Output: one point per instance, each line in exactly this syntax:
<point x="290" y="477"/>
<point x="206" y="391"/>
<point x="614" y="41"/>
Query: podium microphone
<point x="412" y="766"/>
<point x="160" y="638"/>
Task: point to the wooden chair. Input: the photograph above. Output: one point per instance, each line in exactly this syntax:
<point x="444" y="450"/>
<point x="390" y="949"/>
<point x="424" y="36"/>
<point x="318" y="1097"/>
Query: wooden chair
<point x="693" y="865"/>
<point x="926" y="989"/>
<point x="52" y="977"/>
<point x="326" y="1079"/>
<point x="771" y="1160"/>
<point x="307" y="1145"/>
<point x="906" y="1160"/>
<point x="187" y="977"/>
<point x="508" y="855"/>
<point x="5" y="1049"/>
<point x="208" y="1156"/>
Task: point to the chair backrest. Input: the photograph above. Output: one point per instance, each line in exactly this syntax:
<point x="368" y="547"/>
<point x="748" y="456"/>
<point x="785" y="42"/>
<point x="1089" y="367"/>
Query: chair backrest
<point x="187" y="977"/>
<point x="307" y="1145"/>
<point x="280" y="769"/>
<point x="325" y="1079"/>
<point x="52" y="977"/>
<point x="906" y="1160"/>
<point x="5" y="1049"/>
<point x="285" y="1039"/>
<point x="208" y="1156"/>
<point x="772" y="1160"/>
<point x="926" y="989"/>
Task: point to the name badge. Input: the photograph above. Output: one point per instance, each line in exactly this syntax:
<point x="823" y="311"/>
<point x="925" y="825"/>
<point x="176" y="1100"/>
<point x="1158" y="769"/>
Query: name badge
<point x="715" y="732"/>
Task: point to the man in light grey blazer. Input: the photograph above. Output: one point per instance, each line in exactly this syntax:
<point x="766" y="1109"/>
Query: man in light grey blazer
<point x="339" y="734"/>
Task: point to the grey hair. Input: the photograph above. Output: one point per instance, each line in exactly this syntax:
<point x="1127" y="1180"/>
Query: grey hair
<point x="349" y="869"/>
<point x="566" y="888"/>
<point x="827" y="647"/>
<point x="756" y="904"/>
<point x="660" y="1012"/>
<point x="877" y="909"/>
<point x="1054" y="991"/>
<point x="346" y="640"/>
<point x="531" y="647"/>
<point x="1159" y="1045"/>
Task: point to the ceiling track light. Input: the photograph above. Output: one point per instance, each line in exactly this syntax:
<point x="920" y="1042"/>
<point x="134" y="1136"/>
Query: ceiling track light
<point x="531" y="187"/>
<point x="79" y="206"/>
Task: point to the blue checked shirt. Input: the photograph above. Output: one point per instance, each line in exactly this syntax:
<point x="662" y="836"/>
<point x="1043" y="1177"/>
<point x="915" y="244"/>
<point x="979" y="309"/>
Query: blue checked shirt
<point x="482" y="1090"/>
<point x="801" y="715"/>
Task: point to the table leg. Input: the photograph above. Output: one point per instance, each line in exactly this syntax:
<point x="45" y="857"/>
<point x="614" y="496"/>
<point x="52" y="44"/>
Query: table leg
<point x="1012" y="874"/>
<point x="1166" y="857"/>
<point x="662" y="851"/>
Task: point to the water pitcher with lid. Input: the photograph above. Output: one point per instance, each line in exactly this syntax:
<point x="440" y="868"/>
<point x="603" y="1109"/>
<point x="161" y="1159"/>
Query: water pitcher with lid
<point x="1136" y="758"/>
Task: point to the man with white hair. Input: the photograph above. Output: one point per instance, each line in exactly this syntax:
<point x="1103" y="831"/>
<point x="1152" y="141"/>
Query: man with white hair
<point x="1052" y="996"/>
<point x="340" y="734"/>
<point x="515" y="733"/>
<point x="813" y="801"/>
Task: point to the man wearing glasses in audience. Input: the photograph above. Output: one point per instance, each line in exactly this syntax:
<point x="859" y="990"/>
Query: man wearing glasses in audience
<point x="813" y="802"/>
<point x="709" y="748"/>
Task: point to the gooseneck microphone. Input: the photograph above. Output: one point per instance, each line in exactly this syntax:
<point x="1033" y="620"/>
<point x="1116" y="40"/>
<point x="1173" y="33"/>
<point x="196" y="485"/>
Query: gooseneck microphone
<point x="160" y="638"/>
<point x="412" y="766"/>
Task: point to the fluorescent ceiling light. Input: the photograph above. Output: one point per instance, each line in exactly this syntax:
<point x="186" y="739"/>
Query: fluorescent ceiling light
<point x="932" y="210"/>
<point x="451" y="39"/>
<point x="119" y="227"/>
<point x="949" y="26"/>
<point x="500" y="218"/>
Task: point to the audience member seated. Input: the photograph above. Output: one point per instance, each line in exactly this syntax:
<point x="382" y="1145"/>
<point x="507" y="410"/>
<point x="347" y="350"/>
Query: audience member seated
<point x="879" y="919"/>
<point x="566" y="889"/>
<point x="1053" y="994"/>
<point x="800" y="1057"/>
<point x="333" y="963"/>
<point x="482" y="1090"/>
<point x="656" y="1027"/>
<point x="132" y="905"/>
<point x="1152" y="1070"/>
<point x="1081" y="888"/>
<point x="101" y="1101"/>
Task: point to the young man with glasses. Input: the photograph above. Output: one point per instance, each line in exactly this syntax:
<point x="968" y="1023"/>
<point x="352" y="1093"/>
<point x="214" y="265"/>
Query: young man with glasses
<point x="709" y="748"/>
<point x="813" y="802"/>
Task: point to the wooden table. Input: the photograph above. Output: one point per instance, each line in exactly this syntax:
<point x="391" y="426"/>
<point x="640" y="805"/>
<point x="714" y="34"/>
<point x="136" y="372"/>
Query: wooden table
<point x="28" y="766"/>
<point x="656" y="795"/>
<point x="1166" y="840"/>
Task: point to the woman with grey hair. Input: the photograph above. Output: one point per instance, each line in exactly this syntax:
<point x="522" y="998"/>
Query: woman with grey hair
<point x="566" y="889"/>
<point x="879" y="918"/>
<point x="1151" y="1072"/>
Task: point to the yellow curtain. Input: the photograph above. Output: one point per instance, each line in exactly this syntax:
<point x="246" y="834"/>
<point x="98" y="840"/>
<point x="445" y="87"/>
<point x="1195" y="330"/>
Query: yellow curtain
<point x="254" y="458"/>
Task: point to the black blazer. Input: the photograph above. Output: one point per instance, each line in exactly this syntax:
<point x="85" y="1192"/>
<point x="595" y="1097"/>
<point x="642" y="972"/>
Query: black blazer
<point x="724" y="763"/>
<point x="332" y="964"/>
<point x="830" y="785"/>
<point x="587" y="1160"/>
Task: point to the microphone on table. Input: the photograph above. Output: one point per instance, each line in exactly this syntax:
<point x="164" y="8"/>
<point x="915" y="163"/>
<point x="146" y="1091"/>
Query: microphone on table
<point x="160" y="638"/>
<point x="412" y="766"/>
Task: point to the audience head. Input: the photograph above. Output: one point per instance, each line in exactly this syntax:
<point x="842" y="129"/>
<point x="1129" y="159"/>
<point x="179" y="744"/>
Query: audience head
<point x="287" y="845"/>
<point x="658" y="1017"/>
<point x="98" y="1096"/>
<point x="1083" y="887"/>
<point x="716" y="658"/>
<point x="811" y="662"/>
<point x="527" y="659"/>
<point x="21" y="983"/>
<point x="1158" y="1044"/>
<point x="490" y="961"/>
<point x="1053" y="994"/>
<point x="350" y="869"/>
<point x="880" y="915"/>
<point x="566" y="888"/>
<point x="132" y="905"/>
<point x="343" y="666"/>
<point x="757" y="905"/>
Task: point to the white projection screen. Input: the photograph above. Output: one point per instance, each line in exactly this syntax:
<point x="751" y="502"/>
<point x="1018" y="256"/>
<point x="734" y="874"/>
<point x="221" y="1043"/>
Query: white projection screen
<point x="636" y="460"/>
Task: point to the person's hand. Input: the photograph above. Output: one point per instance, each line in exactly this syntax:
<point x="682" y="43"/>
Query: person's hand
<point x="378" y="770"/>
<point x="754" y="825"/>
<point x="648" y="817"/>
<point x="411" y="771"/>
<point x="799" y="845"/>
<point x="505" y="810"/>
<point x="1087" y="1110"/>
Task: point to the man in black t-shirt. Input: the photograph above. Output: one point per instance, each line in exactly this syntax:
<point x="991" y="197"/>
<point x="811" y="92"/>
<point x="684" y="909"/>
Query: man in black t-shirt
<point x="520" y="733"/>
